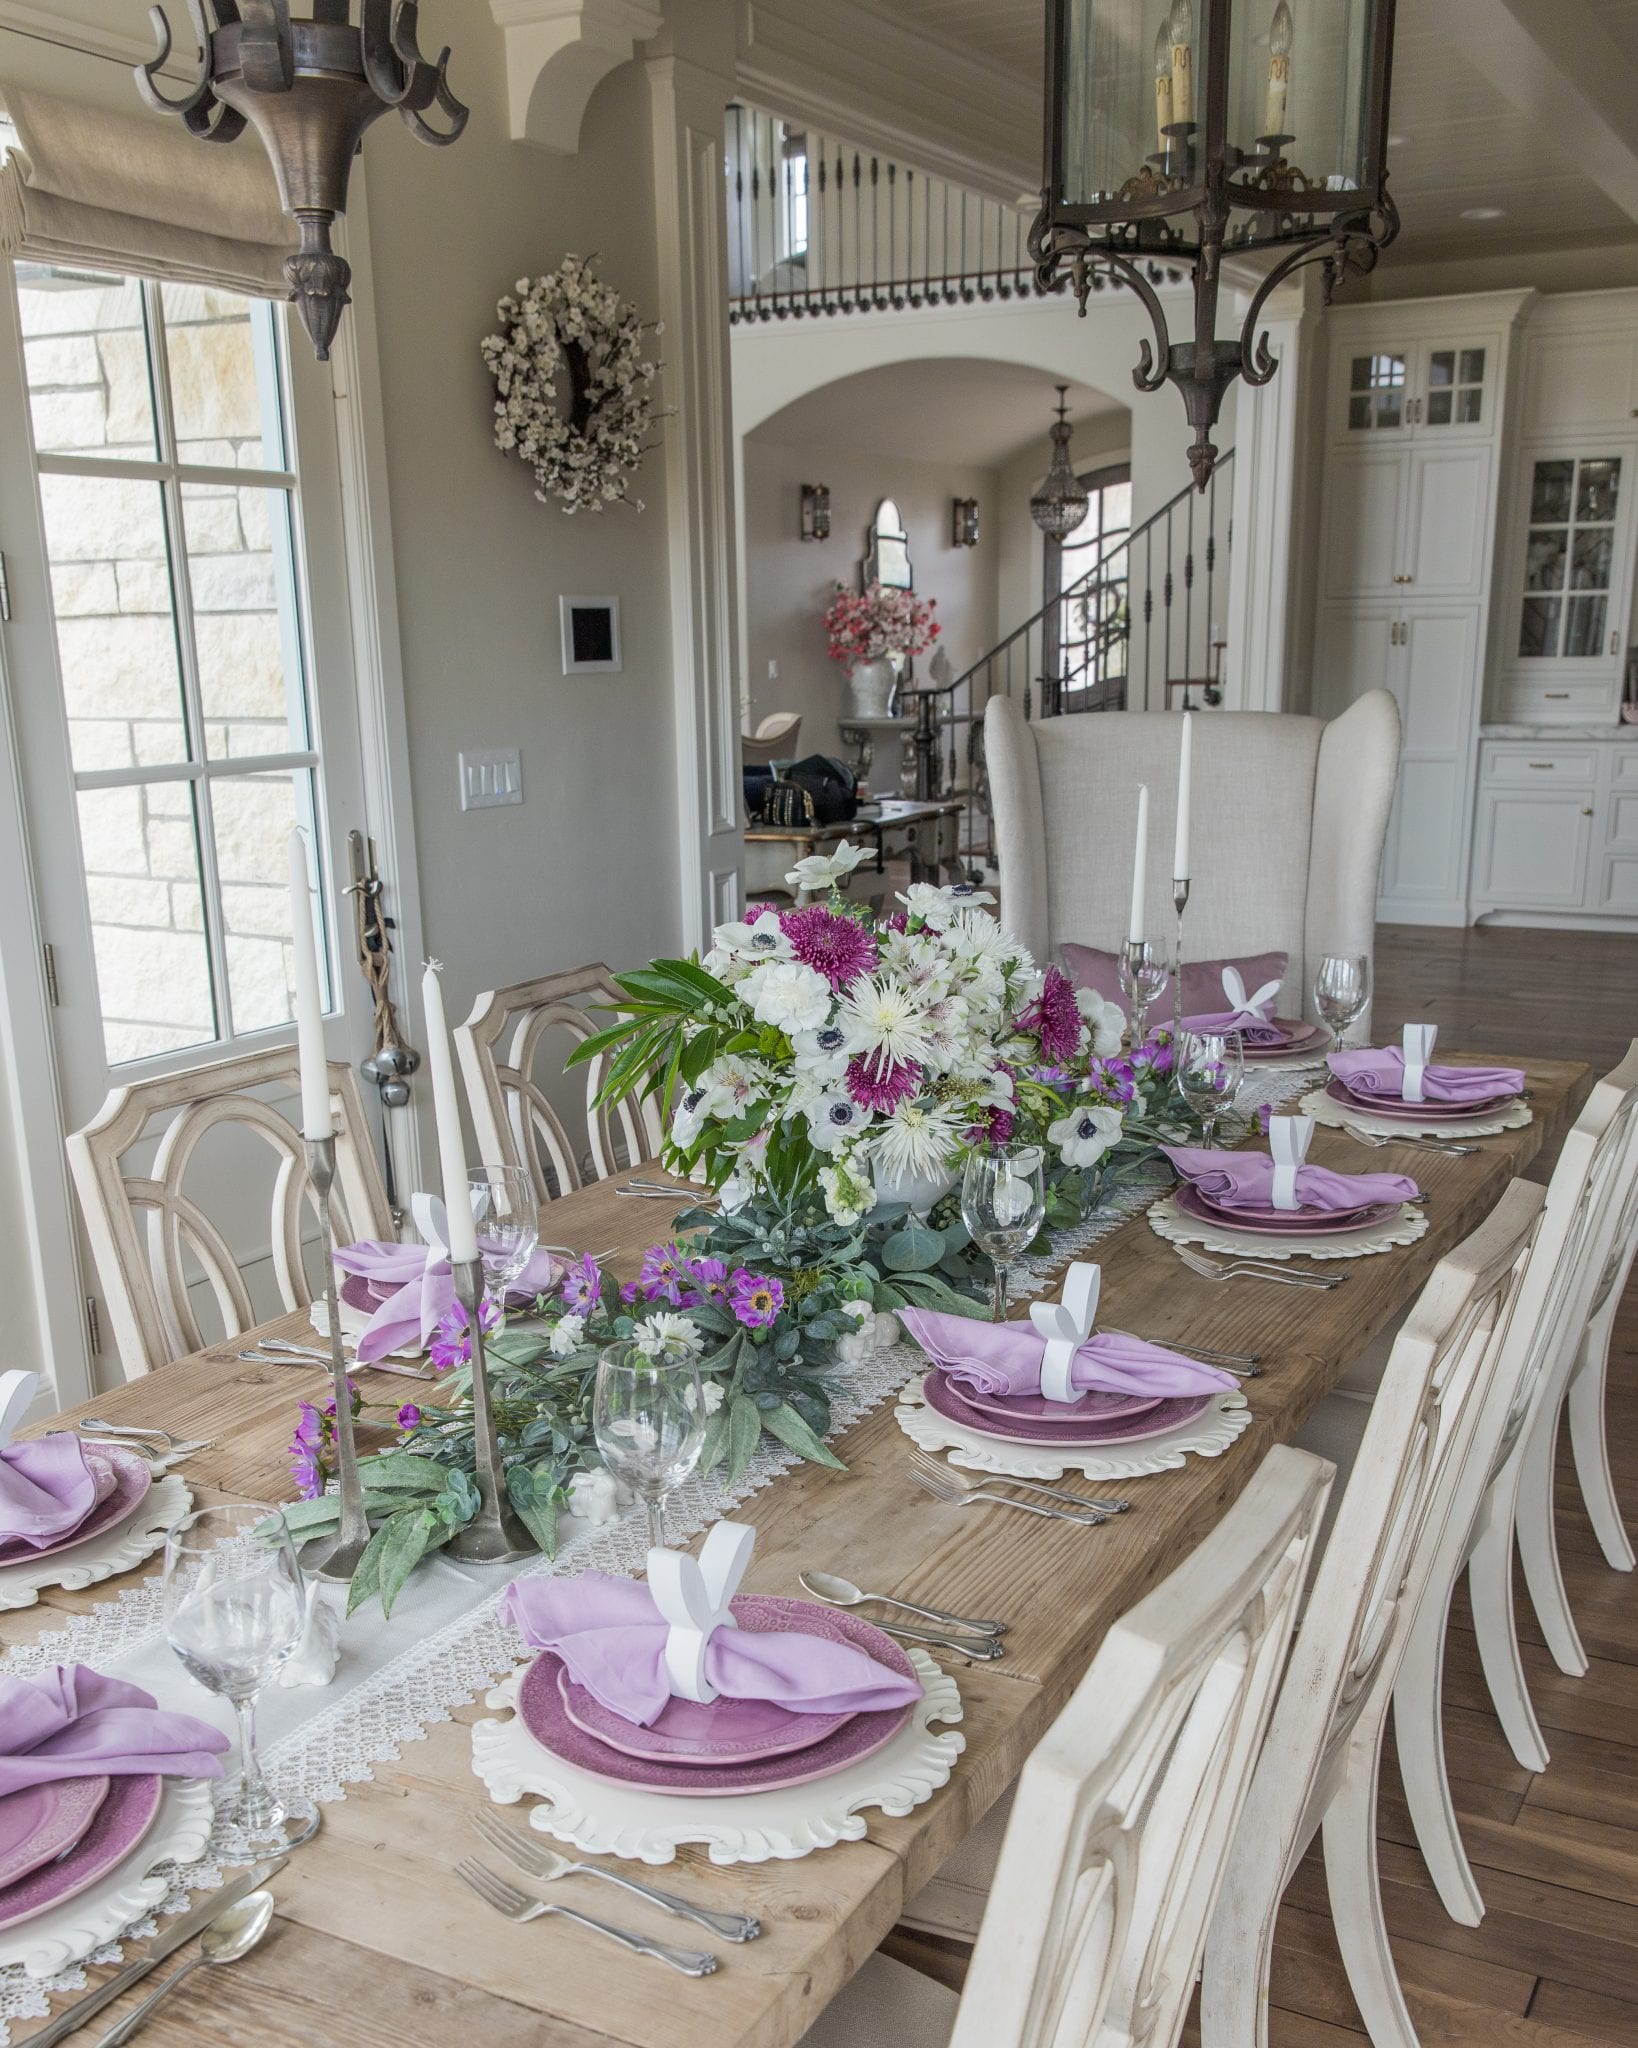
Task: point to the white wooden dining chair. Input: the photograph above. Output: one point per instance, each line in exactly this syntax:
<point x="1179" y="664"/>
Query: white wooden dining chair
<point x="1319" y="1767"/>
<point x="512" y="1048"/>
<point x="1124" y="1813"/>
<point x="1507" y="1485"/>
<point x="1586" y="1403"/>
<point x="161" y="1218"/>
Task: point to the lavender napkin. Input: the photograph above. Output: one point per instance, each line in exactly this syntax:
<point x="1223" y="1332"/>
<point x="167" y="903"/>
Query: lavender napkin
<point x="1380" y="1071"/>
<point x="1245" y="1024"/>
<point x="609" y="1633"/>
<point x="75" y="1723"/>
<point x="47" y="1489"/>
<point x="411" y="1290"/>
<point x="1245" y="1180"/>
<point x="1004" y="1359"/>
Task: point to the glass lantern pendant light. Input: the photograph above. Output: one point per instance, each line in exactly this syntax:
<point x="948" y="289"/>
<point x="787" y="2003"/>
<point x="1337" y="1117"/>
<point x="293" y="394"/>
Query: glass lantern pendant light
<point x="309" y="88"/>
<point x="1253" y="128"/>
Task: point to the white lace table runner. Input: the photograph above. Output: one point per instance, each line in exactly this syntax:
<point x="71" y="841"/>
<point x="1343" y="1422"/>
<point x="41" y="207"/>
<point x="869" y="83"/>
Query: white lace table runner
<point x="446" y="1642"/>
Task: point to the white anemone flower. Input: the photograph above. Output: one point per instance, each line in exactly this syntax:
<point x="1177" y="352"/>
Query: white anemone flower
<point x="834" y="1118"/>
<point x="916" y="1141"/>
<point x="825" y="870"/>
<point x="928" y="902"/>
<point x="688" y="1119"/>
<point x="884" y="1018"/>
<point x="1105" y="1020"/>
<point x="821" y="1053"/>
<point x="1086" y="1134"/>
<point x="762" y="938"/>
<point x="789" y="995"/>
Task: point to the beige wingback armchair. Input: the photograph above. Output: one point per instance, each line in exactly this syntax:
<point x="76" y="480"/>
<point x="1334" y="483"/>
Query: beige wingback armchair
<point x="1288" y="822"/>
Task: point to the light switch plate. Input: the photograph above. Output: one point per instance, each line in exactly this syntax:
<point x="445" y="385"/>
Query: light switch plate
<point x="490" y="777"/>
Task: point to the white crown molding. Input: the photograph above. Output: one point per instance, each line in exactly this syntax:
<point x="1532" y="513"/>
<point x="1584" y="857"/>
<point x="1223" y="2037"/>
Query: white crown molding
<point x="920" y="101"/>
<point x="557" y="54"/>
<point x="52" y="27"/>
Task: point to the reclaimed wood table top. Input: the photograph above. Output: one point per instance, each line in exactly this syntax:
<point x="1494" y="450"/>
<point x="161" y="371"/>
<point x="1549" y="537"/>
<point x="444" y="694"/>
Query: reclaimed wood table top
<point x="378" y="1946"/>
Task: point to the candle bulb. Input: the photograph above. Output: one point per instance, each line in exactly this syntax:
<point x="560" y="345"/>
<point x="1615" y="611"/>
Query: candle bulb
<point x="1181" y="30"/>
<point x="1140" y="868"/>
<point x="317" y="1119"/>
<point x="1163" y="84"/>
<point x="1279" y="70"/>
<point x="1185" y="775"/>
<point x="446" y="1110"/>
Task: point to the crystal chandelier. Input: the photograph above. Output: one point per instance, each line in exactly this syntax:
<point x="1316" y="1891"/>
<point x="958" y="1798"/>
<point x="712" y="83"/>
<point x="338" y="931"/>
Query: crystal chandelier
<point x="309" y="87"/>
<point x="1060" y="501"/>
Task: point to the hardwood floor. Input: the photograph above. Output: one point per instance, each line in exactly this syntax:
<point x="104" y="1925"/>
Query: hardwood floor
<point x="1554" y="1964"/>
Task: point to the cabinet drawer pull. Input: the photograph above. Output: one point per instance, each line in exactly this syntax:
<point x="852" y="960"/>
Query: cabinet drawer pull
<point x="1548" y="765"/>
<point x="1558" y="696"/>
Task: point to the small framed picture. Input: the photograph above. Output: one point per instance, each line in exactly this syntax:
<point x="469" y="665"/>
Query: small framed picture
<point x="591" y="635"/>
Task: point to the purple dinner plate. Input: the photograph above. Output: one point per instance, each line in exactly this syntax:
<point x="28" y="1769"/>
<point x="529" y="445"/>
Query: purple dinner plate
<point x="120" y="1823"/>
<point x="1298" y="1033"/>
<point x="1168" y="1414"/>
<point x="1091" y="1407"/>
<point x="727" y="1731"/>
<point x="132" y="1478"/>
<point x="39" y="1823"/>
<point x="1415" y="1112"/>
<point x="1282" y="1222"/>
<point x="544" y="1714"/>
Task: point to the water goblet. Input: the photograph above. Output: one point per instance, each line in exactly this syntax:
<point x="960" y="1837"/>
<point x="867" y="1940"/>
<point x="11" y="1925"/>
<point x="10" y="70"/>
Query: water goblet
<point x="1144" y="971"/>
<point x="1342" y="991"/>
<point x="1209" y="1069"/>
<point x="648" y="1415"/>
<point x="508" y="1224"/>
<point x="235" y="1608"/>
<point x="1003" y="1201"/>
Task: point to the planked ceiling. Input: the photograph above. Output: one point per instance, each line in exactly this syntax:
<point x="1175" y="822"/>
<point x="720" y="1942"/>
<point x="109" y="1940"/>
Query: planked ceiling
<point x="1459" y="142"/>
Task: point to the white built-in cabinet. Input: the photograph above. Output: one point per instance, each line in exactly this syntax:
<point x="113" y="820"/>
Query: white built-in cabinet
<point x="1417" y="396"/>
<point x="1556" y="830"/>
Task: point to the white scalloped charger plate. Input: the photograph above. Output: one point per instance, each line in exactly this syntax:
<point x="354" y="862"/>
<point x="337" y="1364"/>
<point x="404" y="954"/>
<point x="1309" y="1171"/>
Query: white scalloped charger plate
<point x="69" y="1932"/>
<point x="1325" y="1109"/>
<point x="1167" y="1220"/>
<point x="1222" y="1423"/>
<point x="602" y="1818"/>
<point x="102" y="1557"/>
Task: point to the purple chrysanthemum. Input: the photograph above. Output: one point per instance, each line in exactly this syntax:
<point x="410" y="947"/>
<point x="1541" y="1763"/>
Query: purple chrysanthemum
<point x="756" y="1298"/>
<point x="881" y="1088"/>
<point x="1054" y="1017"/>
<point x="994" y="1127"/>
<point x="582" y="1285"/>
<point x="662" y="1274"/>
<point x="708" y="1283"/>
<point x="835" y="946"/>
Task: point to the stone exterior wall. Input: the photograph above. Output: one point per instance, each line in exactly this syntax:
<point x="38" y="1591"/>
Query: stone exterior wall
<point x="121" y="632"/>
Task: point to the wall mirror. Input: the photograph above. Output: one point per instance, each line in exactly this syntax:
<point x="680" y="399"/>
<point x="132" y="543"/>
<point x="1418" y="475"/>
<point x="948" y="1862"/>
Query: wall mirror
<point x="887" y="558"/>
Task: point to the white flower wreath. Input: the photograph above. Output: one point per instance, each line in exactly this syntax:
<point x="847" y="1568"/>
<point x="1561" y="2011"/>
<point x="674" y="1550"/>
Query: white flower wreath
<point x="570" y="328"/>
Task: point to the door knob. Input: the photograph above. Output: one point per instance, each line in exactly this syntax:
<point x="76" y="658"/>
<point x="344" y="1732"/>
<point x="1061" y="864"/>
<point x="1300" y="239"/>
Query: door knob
<point x="1586" y="810"/>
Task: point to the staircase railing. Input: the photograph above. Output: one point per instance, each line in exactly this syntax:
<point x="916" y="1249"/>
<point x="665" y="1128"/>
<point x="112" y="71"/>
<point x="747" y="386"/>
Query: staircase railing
<point x="1143" y="628"/>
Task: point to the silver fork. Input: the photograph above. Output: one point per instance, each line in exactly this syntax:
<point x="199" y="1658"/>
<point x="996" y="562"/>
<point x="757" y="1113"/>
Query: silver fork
<point x="519" y="1907"/>
<point x="1250" y="1269"/>
<point x="93" y="1425"/>
<point x="534" y="1858"/>
<point x="1377" y="1139"/>
<point x="941" y="1486"/>
<point x="924" y="1461"/>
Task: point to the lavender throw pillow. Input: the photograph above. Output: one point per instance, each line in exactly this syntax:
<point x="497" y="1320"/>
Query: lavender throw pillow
<point x="1088" y="967"/>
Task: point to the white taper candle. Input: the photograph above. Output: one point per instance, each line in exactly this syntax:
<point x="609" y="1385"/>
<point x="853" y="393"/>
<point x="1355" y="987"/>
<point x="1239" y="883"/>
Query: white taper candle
<point x="446" y="1110"/>
<point x="317" y="1119"/>
<point x="1140" y="867"/>
<point x="1185" y="774"/>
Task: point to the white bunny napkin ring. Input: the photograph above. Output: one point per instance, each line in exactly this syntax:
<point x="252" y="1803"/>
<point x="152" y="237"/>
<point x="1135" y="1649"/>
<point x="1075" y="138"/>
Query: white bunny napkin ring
<point x="17" y="1391"/>
<point x="1418" y="1051"/>
<point x="693" y="1596"/>
<point x="1066" y="1325"/>
<point x="1288" y="1141"/>
<point x="1253" y="1009"/>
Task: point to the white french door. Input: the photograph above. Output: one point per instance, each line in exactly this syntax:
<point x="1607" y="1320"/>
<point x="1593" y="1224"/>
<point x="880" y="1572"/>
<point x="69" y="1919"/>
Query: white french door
<point x="179" y="665"/>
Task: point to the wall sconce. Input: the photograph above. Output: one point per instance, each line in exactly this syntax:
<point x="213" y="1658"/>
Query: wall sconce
<point x="816" y="511"/>
<point x="964" y="523"/>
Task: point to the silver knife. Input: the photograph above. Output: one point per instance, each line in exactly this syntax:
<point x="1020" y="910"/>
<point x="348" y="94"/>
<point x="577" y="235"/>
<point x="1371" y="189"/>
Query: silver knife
<point x="173" y="1938"/>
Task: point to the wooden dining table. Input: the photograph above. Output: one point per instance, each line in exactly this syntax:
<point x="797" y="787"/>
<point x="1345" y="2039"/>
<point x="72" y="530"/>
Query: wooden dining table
<point x="376" y="1945"/>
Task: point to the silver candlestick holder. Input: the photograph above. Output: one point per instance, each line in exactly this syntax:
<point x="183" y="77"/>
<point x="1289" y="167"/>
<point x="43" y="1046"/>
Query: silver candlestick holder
<point x="336" y="1558"/>
<point x="497" y="1533"/>
<point x="1180" y="903"/>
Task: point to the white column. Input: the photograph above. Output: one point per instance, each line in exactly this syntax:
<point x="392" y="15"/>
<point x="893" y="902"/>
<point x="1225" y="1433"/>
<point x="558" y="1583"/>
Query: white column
<point x="1268" y="419"/>
<point x="690" y="83"/>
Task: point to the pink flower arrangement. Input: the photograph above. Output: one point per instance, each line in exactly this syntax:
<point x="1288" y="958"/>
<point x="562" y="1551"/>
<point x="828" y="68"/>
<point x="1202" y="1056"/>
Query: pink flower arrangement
<point x="866" y="625"/>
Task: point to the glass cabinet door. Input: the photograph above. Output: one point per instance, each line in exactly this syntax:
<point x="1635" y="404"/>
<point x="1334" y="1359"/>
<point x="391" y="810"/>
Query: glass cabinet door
<point x="1455" y="394"/>
<point x="1376" y="391"/>
<point x="1570" y="570"/>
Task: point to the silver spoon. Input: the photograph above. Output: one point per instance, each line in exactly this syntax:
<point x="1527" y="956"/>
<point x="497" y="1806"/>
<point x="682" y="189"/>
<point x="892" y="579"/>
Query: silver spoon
<point x="228" y="1937"/>
<point x="836" y="1592"/>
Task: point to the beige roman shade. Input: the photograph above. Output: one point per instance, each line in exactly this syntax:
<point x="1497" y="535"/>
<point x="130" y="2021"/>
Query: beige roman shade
<point x="137" y="194"/>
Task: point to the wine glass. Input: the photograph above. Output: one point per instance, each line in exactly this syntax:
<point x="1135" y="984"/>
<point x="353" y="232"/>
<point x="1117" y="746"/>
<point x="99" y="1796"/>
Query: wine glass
<point x="1003" y="1201"/>
<point x="648" y="1416"/>
<point x="1209" y="1069"/>
<point x="1342" y="991"/>
<point x="1144" y="971"/>
<point x="508" y="1224"/>
<point x="235" y="1609"/>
